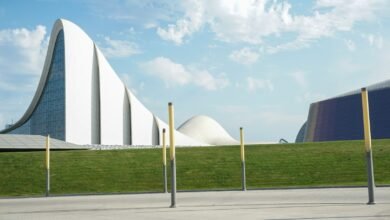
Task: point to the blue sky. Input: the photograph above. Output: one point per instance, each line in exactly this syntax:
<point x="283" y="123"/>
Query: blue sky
<point x="255" y="64"/>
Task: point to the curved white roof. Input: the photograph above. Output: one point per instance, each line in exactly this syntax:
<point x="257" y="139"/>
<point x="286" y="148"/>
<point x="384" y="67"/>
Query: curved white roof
<point x="206" y="130"/>
<point x="100" y="109"/>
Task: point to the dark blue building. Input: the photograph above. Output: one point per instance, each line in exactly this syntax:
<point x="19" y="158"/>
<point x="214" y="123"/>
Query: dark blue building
<point x="341" y="117"/>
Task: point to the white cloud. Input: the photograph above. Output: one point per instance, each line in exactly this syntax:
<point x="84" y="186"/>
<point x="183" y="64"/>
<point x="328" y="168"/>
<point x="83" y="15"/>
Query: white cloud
<point x="350" y="45"/>
<point x="300" y="78"/>
<point x="338" y="16"/>
<point x="141" y="13"/>
<point x="374" y="40"/>
<point x="205" y="79"/>
<point x="150" y="25"/>
<point x="250" y="21"/>
<point x="167" y="70"/>
<point x="259" y="84"/>
<point x="192" y="22"/>
<point x="177" y="74"/>
<point x="244" y="56"/>
<point x="119" y="48"/>
<point x="22" y="51"/>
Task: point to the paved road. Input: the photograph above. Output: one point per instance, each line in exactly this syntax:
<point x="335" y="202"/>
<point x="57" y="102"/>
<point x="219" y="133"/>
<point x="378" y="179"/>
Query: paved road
<point x="345" y="204"/>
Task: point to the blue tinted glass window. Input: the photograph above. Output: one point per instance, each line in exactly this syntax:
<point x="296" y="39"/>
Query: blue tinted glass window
<point x="49" y="115"/>
<point x="341" y="118"/>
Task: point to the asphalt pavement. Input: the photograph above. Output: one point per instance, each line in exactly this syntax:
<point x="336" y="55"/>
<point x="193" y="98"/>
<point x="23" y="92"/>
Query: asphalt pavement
<point x="330" y="203"/>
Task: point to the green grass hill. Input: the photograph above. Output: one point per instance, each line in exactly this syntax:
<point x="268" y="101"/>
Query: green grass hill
<point x="198" y="168"/>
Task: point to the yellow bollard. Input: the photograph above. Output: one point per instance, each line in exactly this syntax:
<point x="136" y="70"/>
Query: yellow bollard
<point x="242" y="147"/>
<point x="243" y="171"/>
<point x="366" y="120"/>
<point x="172" y="154"/>
<point x="171" y="131"/>
<point x="367" y="144"/>
<point x="47" y="165"/>
<point x="164" y="149"/>
<point x="164" y="161"/>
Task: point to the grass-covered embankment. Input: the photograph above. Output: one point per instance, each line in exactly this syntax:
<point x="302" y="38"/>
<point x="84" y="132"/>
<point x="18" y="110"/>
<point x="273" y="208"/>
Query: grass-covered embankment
<point x="140" y="170"/>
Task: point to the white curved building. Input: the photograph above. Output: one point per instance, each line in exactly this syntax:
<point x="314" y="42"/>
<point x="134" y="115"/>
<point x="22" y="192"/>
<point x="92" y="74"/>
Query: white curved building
<point x="206" y="130"/>
<point x="81" y="100"/>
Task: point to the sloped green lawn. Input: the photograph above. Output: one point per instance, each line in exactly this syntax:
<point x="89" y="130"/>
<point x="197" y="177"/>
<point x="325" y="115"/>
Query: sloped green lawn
<point x="198" y="168"/>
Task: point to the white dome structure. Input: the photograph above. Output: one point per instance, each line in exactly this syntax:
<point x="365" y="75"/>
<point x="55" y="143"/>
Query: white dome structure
<point x="206" y="130"/>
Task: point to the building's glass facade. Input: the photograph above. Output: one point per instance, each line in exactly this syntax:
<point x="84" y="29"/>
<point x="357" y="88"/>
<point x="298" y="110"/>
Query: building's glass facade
<point x="301" y="134"/>
<point x="341" y="118"/>
<point x="49" y="115"/>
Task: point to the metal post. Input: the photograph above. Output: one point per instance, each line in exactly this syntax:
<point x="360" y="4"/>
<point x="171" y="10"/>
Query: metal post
<point x="164" y="160"/>
<point x="172" y="154"/>
<point x="242" y="147"/>
<point x="48" y="165"/>
<point x="367" y="144"/>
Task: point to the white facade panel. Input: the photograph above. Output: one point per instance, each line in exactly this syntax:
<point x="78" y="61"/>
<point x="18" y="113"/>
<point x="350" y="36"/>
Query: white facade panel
<point x="79" y="50"/>
<point x="112" y="105"/>
<point x="143" y="127"/>
<point x="95" y="100"/>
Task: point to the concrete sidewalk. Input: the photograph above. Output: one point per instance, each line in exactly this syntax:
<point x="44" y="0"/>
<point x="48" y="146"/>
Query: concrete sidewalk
<point x="336" y="203"/>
